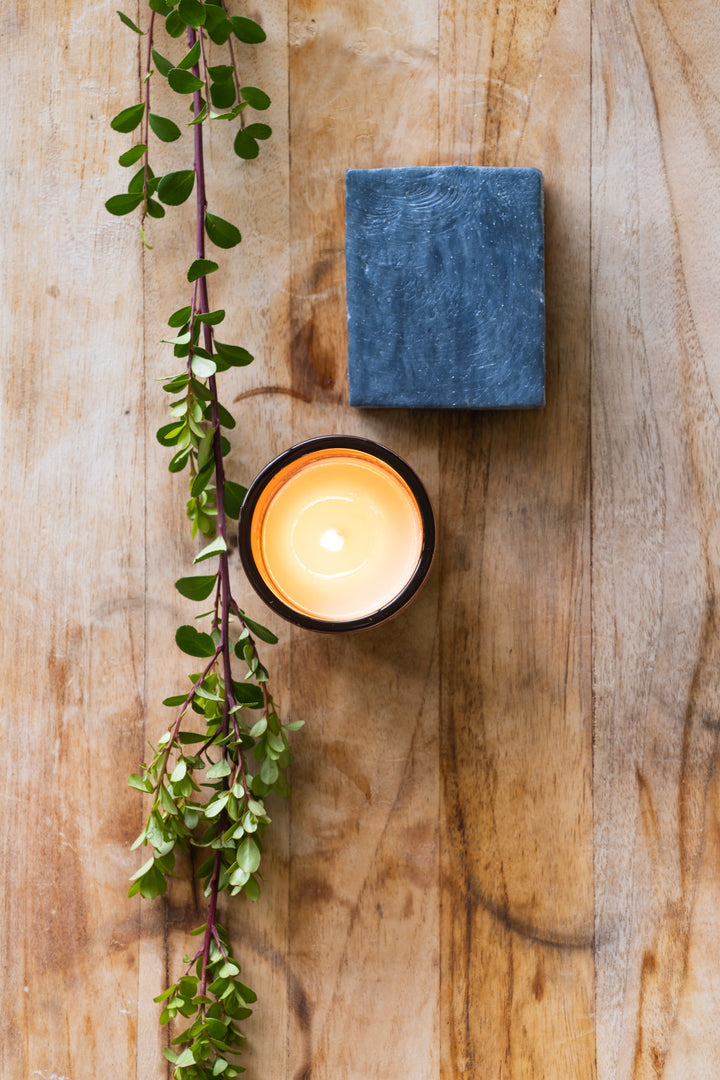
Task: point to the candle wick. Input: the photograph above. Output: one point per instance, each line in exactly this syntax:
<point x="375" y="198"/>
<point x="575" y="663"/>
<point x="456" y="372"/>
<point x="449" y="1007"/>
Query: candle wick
<point x="332" y="540"/>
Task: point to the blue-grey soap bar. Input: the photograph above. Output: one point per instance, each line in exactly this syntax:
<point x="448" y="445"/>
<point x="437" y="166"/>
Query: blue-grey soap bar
<point x="445" y="287"/>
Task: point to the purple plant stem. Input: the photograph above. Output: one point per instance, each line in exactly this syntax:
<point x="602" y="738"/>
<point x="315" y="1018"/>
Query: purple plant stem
<point x="236" y="77"/>
<point x="225" y="596"/>
<point x="204" y="307"/>
<point x="210" y="930"/>
<point x="183" y="709"/>
<point x="146" y="124"/>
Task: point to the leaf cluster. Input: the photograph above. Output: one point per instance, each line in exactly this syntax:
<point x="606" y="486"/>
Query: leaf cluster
<point x="203" y="792"/>
<point x="226" y="750"/>
<point x="215" y="1000"/>
<point x="217" y="95"/>
<point x="193" y="429"/>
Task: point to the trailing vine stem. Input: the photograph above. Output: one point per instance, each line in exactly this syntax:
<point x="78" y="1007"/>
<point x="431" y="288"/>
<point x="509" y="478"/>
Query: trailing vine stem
<point x="205" y="791"/>
<point x="146" y="118"/>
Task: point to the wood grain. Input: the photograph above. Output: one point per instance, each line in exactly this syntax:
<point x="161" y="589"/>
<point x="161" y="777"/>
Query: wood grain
<point x="364" y="871"/>
<point x="462" y="885"/>
<point x="655" y="446"/>
<point x="517" y="972"/>
<point x="72" y="559"/>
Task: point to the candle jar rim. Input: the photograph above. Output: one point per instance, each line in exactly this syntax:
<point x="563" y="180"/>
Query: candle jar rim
<point x="307" y="448"/>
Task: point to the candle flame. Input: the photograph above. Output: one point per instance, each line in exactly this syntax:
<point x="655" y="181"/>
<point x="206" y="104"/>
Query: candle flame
<point x="332" y="540"/>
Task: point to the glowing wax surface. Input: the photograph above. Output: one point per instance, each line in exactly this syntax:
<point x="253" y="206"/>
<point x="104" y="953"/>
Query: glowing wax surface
<point x="337" y="535"/>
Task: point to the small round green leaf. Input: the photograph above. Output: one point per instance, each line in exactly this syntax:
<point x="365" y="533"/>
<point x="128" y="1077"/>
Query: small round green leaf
<point x="193" y="642"/>
<point x="221" y="73"/>
<point x="129" y="118"/>
<point x="259" y="630"/>
<point x="176" y="383"/>
<point x="222" y="233"/>
<point x="206" y="443"/>
<point x="175" y="25"/>
<point x="201" y="117"/>
<point x="192" y="12"/>
<point x="256" y="99"/>
<point x="180" y="317"/>
<point x="222" y="94"/>
<point x="175" y="700"/>
<point x="123" y="204"/>
<point x="252" y="891"/>
<point x="227" y="420"/>
<point x="200" y="267"/>
<point x="165" y="129"/>
<point x="152" y="884"/>
<point x="269" y="771"/>
<point x="232" y="115"/>
<point x="217" y="24"/>
<point x="140" y="783"/>
<point x="179" y="772"/>
<point x="191" y="58"/>
<point x="247" y="694"/>
<point x="137" y="183"/>
<point x="175" y="187"/>
<point x="128" y="22"/>
<point x="245" y="146"/>
<point x="143" y="869"/>
<point x="202" y="368"/>
<point x="259" y="787"/>
<point x="249" y="996"/>
<point x="233" y="498"/>
<point x="216" y="805"/>
<point x="187" y="737"/>
<point x="259" y="131"/>
<point x="234" y="355"/>
<point x="218" y="770"/>
<point x="169" y="434"/>
<point x="247" y="30"/>
<point x="163" y="65"/>
<point x="212" y="318"/>
<point x="184" y="82"/>
<point x="196" y="588"/>
<point x="215" y="547"/>
<point x="155" y="209"/>
<point x="202" y="479"/>
<point x="281" y="786"/>
<point x="132" y="155"/>
<point x="248" y="856"/>
<point x="179" y="461"/>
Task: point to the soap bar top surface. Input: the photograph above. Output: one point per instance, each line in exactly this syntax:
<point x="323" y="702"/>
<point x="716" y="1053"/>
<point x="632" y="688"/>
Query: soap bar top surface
<point x="445" y="287"/>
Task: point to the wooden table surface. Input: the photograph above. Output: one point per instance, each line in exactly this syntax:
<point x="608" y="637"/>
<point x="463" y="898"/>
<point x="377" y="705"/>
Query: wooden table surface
<point x="501" y="857"/>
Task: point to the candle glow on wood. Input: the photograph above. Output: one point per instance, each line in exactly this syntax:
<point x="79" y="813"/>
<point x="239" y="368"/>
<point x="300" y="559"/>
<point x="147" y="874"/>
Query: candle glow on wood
<point x="337" y="534"/>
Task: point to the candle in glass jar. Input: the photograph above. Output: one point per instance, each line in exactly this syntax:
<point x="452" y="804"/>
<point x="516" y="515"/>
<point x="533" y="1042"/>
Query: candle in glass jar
<point x="336" y="534"/>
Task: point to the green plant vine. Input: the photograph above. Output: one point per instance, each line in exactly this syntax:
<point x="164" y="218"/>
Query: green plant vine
<point x="206" y="781"/>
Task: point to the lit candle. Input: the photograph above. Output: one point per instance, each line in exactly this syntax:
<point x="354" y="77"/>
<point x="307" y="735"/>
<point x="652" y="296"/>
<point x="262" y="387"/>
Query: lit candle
<point x="337" y="533"/>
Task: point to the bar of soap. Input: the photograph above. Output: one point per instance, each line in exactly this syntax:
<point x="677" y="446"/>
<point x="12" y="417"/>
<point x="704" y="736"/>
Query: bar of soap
<point x="445" y="287"/>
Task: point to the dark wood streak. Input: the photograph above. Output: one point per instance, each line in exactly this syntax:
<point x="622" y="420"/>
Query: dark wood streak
<point x="260" y="390"/>
<point x="546" y="937"/>
<point x="314" y="369"/>
<point x="301" y="1008"/>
